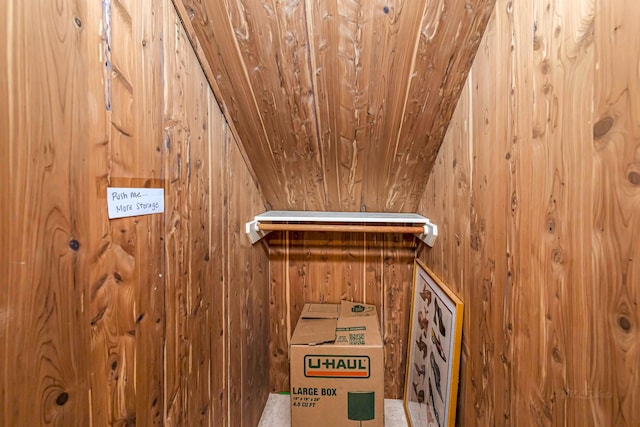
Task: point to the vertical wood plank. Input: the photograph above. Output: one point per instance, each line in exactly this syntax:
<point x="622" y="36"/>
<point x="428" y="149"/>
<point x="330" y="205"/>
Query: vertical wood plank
<point x="248" y="312"/>
<point x="113" y="253"/>
<point x="44" y="341"/>
<point x="177" y="143"/>
<point x="200" y="265"/>
<point x="487" y="244"/>
<point x="516" y="59"/>
<point x="616" y="219"/>
<point x="397" y="273"/>
<point x="6" y="197"/>
<point x="114" y="292"/>
<point x="280" y="328"/>
<point x="150" y="290"/>
<point x="373" y="273"/>
<point x="189" y="355"/>
<point x="103" y="243"/>
<point x="219" y="281"/>
<point x="563" y="83"/>
<point x="536" y="214"/>
<point x="297" y="279"/>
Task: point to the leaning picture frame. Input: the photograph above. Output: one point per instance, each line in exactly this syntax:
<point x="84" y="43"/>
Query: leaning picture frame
<point x="433" y="355"/>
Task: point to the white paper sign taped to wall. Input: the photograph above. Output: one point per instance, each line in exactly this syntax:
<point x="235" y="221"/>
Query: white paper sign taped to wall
<point x="125" y="202"/>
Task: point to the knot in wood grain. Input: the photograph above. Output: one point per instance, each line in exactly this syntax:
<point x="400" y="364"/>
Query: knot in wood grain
<point x="624" y="323"/>
<point x="557" y="256"/>
<point x="602" y="126"/>
<point x="551" y="225"/>
<point x="475" y="241"/>
<point x="191" y="13"/>
<point x="62" y="398"/>
<point x="544" y="67"/>
<point x="74" y="244"/>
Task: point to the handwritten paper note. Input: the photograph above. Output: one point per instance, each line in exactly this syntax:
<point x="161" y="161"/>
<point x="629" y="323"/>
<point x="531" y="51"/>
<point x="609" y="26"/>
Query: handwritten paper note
<point x="124" y="202"/>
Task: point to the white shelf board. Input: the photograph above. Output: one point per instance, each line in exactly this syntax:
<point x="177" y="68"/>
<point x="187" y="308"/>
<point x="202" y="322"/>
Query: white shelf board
<point x="360" y="217"/>
<point x="428" y="236"/>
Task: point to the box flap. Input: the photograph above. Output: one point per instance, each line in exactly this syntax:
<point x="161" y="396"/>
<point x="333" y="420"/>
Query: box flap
<point x="355" y="309"/>
<point x="314" y="331"/>
<point x="344" y="324"/>
<point x="317" y="324"/>
<point x="320" y="311"/>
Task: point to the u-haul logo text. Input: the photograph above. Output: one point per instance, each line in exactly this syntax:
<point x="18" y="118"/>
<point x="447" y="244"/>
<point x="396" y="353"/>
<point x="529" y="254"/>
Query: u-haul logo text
<point x="328" y="366"/>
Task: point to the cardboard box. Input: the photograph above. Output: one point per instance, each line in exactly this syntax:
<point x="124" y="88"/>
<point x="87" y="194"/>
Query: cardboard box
<point x="337" y="367"/>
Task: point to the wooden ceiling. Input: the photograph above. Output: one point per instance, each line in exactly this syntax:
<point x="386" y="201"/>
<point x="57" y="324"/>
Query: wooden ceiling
<point x="339" y="105"/>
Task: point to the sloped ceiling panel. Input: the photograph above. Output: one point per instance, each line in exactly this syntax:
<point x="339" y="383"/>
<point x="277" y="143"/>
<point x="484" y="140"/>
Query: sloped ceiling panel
<point x="339" y="105"/>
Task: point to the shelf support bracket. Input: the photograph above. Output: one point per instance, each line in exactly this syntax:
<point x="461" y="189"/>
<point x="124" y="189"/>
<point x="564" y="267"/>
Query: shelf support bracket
<point x="253" y="232"/>
<point x="429" y="235"/>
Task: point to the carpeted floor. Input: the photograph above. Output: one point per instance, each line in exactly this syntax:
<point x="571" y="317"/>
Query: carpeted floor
<point x="277" y="412"/>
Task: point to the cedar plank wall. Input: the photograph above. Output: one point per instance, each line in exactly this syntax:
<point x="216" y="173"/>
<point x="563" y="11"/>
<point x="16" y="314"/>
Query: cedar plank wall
<point x="248" y="300"/>
<point x="537" y="200"/>
<point x="136" y="320"/>
<point x="328" y="267"/>
<point x="339" y="105"/>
